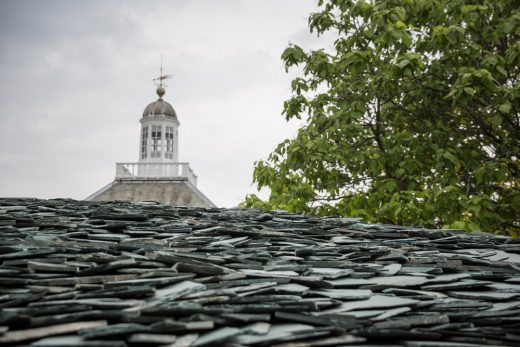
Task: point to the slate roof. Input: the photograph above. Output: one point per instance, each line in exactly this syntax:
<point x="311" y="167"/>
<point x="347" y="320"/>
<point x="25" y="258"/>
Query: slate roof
<point x="100" y="274"/>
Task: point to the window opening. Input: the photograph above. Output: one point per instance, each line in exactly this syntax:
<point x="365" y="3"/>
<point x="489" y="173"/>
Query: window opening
<point x="169" y="142"/>
<point x="156" y="141"/>
<point x="144" y="142"/>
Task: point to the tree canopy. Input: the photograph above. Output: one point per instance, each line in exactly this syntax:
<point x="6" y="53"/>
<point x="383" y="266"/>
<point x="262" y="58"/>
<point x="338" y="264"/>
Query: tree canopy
<point x="412" y="117"/>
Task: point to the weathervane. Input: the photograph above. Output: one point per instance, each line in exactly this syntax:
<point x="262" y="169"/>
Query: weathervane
<point x="159" y="80"/>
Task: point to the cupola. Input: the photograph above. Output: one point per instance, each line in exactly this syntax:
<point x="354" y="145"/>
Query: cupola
<point x="159" y="130"/>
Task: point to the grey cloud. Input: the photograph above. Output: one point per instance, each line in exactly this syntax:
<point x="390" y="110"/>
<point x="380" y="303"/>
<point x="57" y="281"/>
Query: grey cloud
<point x="76" y="76"/>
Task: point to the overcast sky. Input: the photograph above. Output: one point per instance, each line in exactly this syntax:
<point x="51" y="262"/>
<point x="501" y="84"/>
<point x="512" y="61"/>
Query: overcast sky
<point x="76" y="76"/>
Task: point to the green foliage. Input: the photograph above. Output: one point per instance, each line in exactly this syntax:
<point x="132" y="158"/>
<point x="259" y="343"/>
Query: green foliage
<point x="412" y="118"/>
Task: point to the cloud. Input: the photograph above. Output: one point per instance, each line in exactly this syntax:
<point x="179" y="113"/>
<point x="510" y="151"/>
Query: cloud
<point x="76" y="76"/>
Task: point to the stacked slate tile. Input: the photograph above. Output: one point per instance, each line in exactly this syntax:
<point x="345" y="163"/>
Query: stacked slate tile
<point x="76" y="273"/>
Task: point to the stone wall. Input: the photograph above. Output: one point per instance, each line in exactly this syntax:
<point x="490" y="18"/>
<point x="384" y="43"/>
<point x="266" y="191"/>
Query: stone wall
<point x="170" y="192"/>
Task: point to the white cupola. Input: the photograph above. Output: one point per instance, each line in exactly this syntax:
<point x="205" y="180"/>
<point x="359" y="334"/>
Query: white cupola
<point x="159" y="131"/>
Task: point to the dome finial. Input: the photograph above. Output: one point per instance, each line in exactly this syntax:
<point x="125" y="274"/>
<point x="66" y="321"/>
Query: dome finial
<point x="160" y="91"/>
<point x="160" y="87"/>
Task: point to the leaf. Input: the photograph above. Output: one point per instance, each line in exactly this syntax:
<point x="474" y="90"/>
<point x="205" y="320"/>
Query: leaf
<point x="479" y="174"/>
<point x="403" y="63"/>
<point x="470" y="91"/>
<point x="505" y="107"/>
<point x="496" y="121"/>
<point x="400" y="25"/>
<point x="391" y="186"/>
<point x="451" y="158"/>
<point x="292" y="55"/>
<point x="502" y="71"/>
<point x="473" y="226"/>
<point x="508" y="26"/>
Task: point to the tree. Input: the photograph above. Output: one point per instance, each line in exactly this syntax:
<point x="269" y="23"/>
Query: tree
<point x="412" y="118"/>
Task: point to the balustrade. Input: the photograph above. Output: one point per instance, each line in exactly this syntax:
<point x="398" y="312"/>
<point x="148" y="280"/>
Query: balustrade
<point x="155" y="170"/>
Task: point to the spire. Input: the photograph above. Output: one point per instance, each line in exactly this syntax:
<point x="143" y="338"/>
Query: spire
<point x="159" y="81"/>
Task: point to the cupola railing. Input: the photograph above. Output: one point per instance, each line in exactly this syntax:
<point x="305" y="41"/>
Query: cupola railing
<point x="136" y="171"/>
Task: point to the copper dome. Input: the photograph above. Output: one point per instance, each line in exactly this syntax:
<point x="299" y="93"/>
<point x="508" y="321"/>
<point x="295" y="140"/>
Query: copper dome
<point x="159" y="107"/>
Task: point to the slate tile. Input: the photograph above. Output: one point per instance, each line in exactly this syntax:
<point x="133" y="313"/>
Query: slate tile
<point x="328" y="341"/>
<point x="107" y="267"/>
<point x="11" y="281"/>
<point x="108" y="237"/>
<point x="276" y="333"/>
<point x="374" y="302"/>
<point x="504" y="287"/>
<point x="112" y="330"/>
<point x="249" y="281"/>
<point x="301" y="318"/>
<point x="168" y="326"/>
<point x="464" y="284"/>
<point x="348" y="282"/>
<point x="182" y="308"/>
<point x="343" y="294"/>
<point x="153" y="281"/>
<point x="391" y="313"/>
<point x="258" y="328"/>
<point x="329" y="273"/>
<point x="184" y="341"/>
<point x="398" y="281"/>
<point x="269" y="274"/>
<point x="72" y="281"/>
<point x="390" y="269"/>
<point x="50" y="267"/>
<point x="145" y="338"/>
<point x="16" y="336"/>
<point x="217" y="336"/>
<point x="397" y="257"/>
<point x="418" y="293"/>
<point x="399" y="334"/>
<point x="201" y="317"/>
<point x="289" y="288"/>
<point x="80" y="316"/>
<point x="247" y="317"/>
<point x="201" y="269"/>
<point x="483" y="295"/>
<point x="27" y="254"/>
<point x="75" y="341"/>
<point x="439" y="344"/>
<point x="499" y="306"/>
<point x="4" y="272"/>
<point x="303" y="252"/>
<point x="263" y="217"/>
<point x="177" y="290"/>
<point x="501" y="313"/>
<point x="311" y="281"/>
<point x="108" y="304"/>
<point x="448" y="278"/>
<point x="410" y="321"/>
